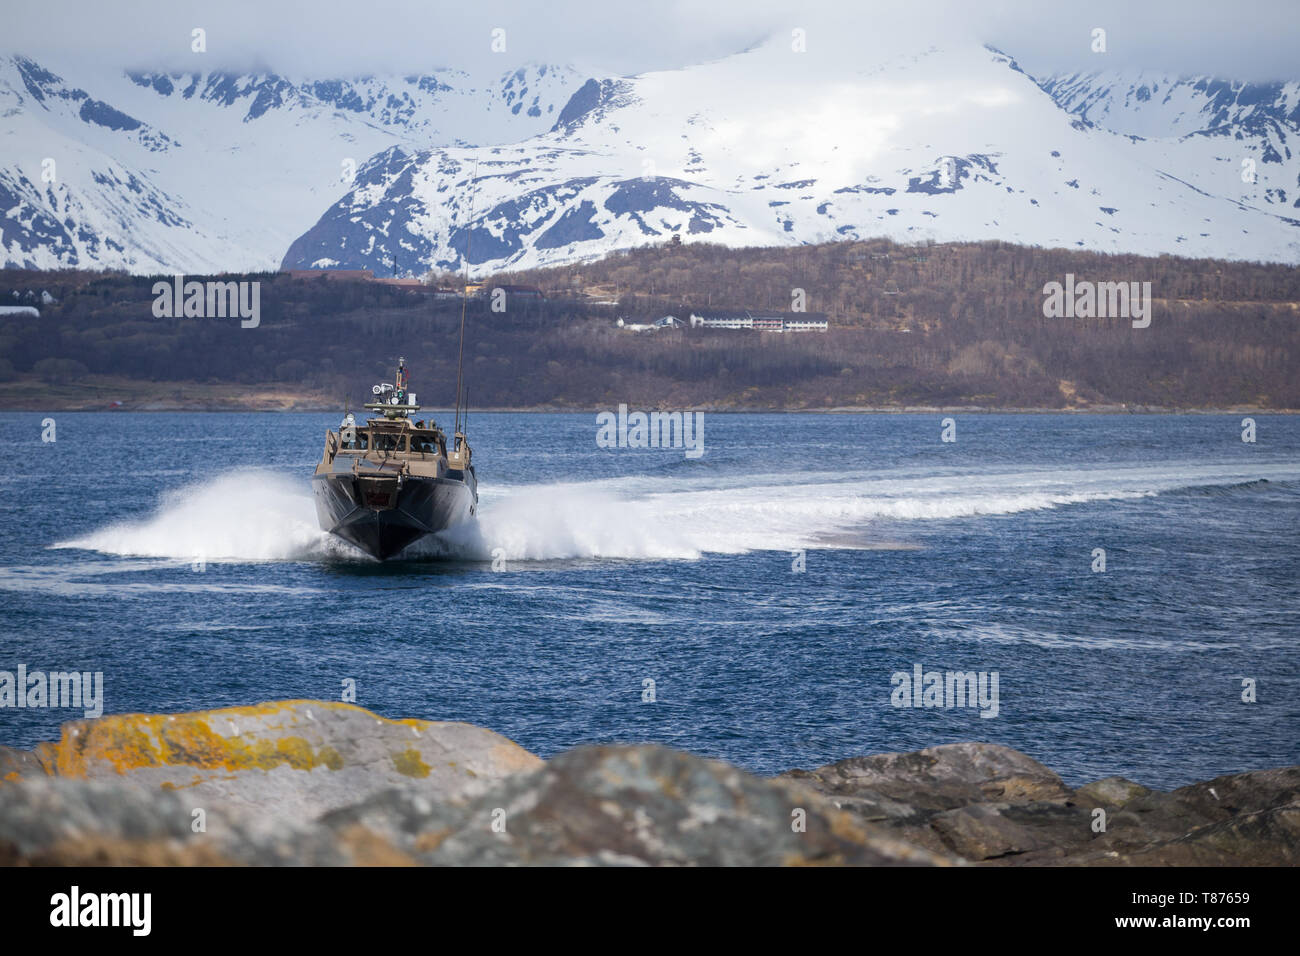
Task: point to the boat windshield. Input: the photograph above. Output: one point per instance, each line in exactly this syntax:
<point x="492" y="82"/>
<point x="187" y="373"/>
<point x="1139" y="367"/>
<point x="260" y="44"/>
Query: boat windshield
<point x="425" y="444"/>
<point x="389" y="441"/>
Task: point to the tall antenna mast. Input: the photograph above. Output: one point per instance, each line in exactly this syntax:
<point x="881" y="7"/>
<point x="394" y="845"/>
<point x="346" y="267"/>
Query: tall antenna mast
<point x="464" y="294"/>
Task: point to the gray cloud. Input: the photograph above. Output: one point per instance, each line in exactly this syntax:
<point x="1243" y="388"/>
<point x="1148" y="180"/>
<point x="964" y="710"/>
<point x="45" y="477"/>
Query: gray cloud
<point x="1254" y="40"/>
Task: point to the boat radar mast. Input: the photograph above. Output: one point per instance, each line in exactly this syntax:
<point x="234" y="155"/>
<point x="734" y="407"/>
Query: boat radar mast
<point x="394" y="401"/>
<point x="458" y="429"/>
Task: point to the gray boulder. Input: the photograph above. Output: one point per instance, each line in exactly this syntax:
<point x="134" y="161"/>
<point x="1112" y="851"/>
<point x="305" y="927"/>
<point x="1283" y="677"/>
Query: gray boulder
<point x="635" y="806"/>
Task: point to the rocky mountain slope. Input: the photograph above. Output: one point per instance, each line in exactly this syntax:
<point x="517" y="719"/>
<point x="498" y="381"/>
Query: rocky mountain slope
<point x="212" y="171"/>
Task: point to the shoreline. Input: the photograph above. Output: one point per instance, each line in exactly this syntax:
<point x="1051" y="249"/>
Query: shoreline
<point x="112" y="394"/>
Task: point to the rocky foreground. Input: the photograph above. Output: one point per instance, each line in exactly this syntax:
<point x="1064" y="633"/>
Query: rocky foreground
<point x="315" y="783"/>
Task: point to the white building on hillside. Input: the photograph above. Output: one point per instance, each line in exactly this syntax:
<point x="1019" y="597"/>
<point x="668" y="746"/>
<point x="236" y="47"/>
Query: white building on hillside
<point x="759" y="321"/>
<point x="806" y="325"/>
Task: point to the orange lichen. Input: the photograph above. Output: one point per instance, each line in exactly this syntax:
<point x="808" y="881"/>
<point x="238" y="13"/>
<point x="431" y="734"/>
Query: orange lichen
<point x="127" y="742"/>
<point x="409" y="764"/>
<point x="231" y="739"/>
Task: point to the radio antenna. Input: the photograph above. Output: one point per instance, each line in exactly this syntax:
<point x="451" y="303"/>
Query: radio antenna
<point x="464" y="297"/>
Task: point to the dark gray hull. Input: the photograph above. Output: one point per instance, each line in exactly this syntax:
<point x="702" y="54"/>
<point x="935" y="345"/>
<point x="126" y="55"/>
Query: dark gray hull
<point x="382" y="515"/>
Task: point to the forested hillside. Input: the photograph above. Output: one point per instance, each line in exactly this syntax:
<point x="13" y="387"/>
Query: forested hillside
<point x="958" y="324"/>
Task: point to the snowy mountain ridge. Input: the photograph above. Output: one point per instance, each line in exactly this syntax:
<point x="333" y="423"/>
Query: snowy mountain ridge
<point x="209" y="172"/>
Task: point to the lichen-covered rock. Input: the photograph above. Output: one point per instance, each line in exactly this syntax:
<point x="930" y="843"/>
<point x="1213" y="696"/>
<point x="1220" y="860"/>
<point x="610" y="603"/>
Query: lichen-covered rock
<point x="311" y="783"/>
<point x="292" y="759"/>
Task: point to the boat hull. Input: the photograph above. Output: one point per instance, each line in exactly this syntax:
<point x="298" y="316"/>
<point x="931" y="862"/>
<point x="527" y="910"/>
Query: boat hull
<point x="384" y="515"/>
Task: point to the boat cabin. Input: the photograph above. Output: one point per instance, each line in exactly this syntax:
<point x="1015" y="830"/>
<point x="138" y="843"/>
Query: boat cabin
<point x="397" y="442"/>
<point x="380" y="438"/>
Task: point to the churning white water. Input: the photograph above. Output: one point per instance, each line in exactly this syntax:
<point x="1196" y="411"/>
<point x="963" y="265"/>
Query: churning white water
<point x="252" y="515"/>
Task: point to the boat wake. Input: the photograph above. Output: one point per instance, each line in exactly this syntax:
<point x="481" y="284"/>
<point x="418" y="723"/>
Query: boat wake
<point x="250" y="516"/>
<point x="244" y="515"/>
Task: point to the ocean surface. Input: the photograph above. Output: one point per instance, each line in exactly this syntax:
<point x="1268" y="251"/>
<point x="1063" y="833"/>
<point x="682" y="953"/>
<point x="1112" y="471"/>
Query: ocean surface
<point x="179" y="555"/>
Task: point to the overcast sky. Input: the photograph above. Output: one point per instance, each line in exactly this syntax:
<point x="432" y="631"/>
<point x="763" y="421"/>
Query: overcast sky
<point x="1244" y="39"/>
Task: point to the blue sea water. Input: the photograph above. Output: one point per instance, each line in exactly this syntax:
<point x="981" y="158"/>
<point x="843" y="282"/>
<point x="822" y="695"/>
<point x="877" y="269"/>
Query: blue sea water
<point x="178" y="554"/>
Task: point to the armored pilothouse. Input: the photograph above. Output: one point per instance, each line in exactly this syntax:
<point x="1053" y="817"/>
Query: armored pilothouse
<point x="386" y="484"/>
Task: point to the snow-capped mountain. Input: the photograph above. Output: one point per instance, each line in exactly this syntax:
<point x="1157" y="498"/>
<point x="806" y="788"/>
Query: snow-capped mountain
<point x="213" y="171"/>
<point x="768" y="146"/>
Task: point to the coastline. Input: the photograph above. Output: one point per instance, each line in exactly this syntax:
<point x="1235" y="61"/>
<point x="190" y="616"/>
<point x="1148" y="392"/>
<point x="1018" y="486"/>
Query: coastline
<point x="126" y="395"/>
